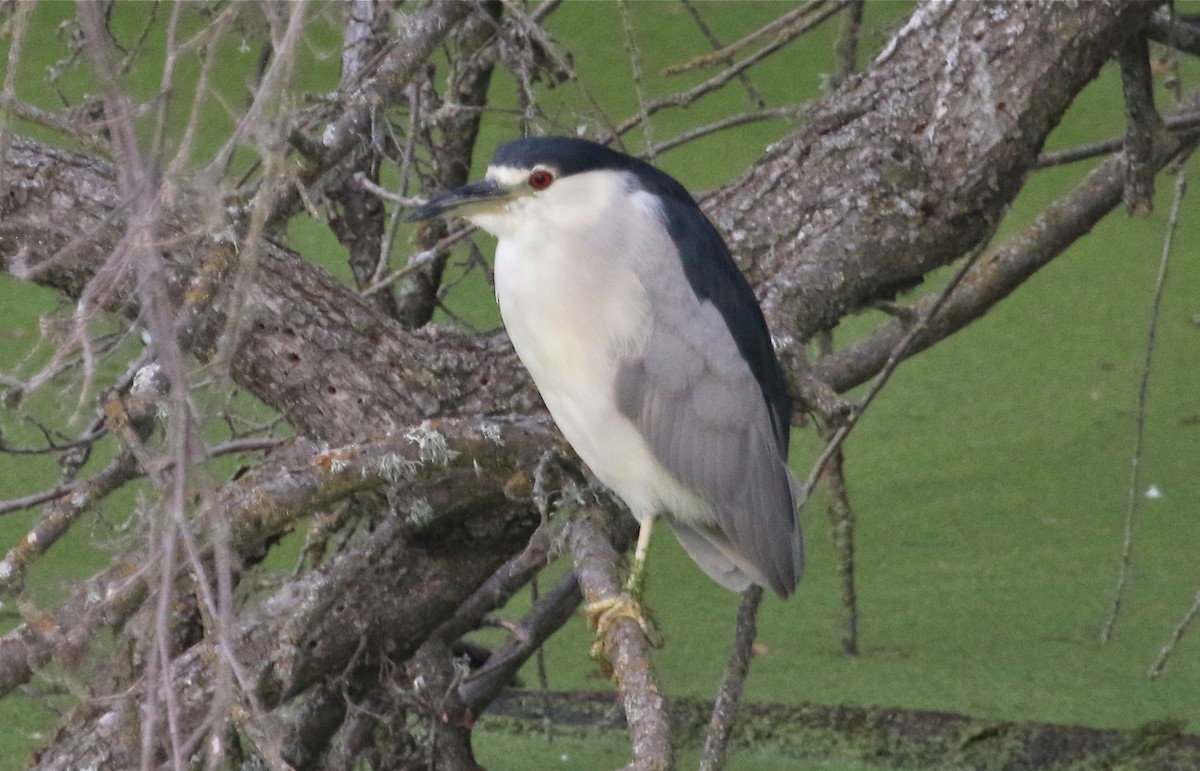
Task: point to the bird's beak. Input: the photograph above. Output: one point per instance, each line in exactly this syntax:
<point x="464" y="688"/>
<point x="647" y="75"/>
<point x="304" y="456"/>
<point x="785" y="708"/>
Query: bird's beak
<point x="476" y="198"/>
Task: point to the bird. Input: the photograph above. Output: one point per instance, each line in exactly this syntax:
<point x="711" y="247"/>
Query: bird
<point x="648" y="347"/>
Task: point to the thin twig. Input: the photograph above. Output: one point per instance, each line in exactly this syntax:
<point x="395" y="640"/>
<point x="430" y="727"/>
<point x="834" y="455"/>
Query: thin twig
<point x="725" y="55"/>
<point x="685" y="98"/>
<point x="893" y="361"/>
<point x="1132" y="496"/>
<point x="634" y="55"/>
<point x="742" y="118"/>
<point x="715" y="42"/>
<point x="1180" y="630"/>
<point x="419" y="259"/>
<point x="725" y="710"/>
<point x="1186" y="122"/>
<point x="381" y="191"/>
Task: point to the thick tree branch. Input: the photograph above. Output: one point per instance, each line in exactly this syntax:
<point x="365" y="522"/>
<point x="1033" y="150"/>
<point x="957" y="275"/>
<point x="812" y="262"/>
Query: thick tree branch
<point x="267" y="502"/>
<point x="309" y="346"/>
<point x="910" y="164"/>
<point x="997" y="275"/>
<point x="380" y="598"/>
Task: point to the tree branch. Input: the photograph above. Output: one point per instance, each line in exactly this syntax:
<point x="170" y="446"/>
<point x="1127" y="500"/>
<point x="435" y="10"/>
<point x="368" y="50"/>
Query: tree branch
<point x="998" y="275"/>
<point x="829" y="220"/>
<point x="624" y="645"/>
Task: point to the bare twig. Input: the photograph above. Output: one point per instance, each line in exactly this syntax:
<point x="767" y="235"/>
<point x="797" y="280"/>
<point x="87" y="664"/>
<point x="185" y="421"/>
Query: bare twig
<point x="418" y="259"/>
<point x="634" y="55"/>
<point x="740" y="119"/>
<point x="783" y="26"/>
<point x="1180" y="630"/>
<point x="1164" y="28"/>
<point x="387" y="195"/>
<point x="743" y="78"/>
<point x="684" y="98"/>
<point x="725" y="710"/>
<point x="1185" y="123"/>
<point x="897" y="354"/>
<point x="1132" y="492"/>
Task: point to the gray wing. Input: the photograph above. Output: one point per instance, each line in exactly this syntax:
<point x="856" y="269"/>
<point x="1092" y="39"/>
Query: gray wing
<point x="703" y="413"/>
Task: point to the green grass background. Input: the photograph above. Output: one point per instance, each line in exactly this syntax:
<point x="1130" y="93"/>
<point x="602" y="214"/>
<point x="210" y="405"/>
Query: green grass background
<point x="989" y="478"/>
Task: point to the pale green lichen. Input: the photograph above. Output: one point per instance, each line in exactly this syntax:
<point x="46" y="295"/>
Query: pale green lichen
<point x="395" y="468"/>
<point x="431" y="444"/>
<point x="491" y="432"/>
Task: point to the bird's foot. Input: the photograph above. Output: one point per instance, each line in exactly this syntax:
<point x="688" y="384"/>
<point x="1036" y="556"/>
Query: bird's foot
<point x="603" y="614"/>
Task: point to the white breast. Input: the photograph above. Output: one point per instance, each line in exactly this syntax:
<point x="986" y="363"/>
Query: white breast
<point x="573" y="314"/>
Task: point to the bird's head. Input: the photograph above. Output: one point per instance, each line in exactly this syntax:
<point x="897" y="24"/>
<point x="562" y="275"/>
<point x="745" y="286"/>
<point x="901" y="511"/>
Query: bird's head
<point x="538" y="181"/>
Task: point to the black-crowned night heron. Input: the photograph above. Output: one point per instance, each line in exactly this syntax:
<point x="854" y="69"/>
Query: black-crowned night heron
<point x="648" y="347"/>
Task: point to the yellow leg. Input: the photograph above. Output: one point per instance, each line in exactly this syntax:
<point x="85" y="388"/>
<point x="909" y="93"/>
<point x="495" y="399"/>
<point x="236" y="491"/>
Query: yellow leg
<point x="635" y="585"/>
<point x="628" y="603"/>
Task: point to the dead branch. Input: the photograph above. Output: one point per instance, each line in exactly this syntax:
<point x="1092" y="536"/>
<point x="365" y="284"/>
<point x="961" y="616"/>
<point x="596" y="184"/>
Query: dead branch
<point x="1163" y="27"/>
<point x="685" y="98"/>
<point x="1142" y="124"/>
<point x="267" y="502"/>
<point x="331" y="616"/>
<point x="782" y="27"/>
<point x="725" y="710"/>
<point x="57" y="517"/>
<point x="956" y="114"/>
<point x="1133" y="487"/>
<point x="625" y="645"/>
<point x="1184" y="124"/>
<point x="996" y="276"/>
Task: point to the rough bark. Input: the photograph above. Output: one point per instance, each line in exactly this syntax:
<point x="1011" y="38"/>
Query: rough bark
<point x="913" y="162"/>
<point x="376" y="601"/>
<point x="310" y="347"/>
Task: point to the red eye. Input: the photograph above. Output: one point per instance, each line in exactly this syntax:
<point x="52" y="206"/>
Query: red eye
<point x="540" y="179"/>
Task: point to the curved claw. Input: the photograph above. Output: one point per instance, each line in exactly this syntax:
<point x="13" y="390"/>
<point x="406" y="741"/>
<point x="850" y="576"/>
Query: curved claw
<point x="603" y="614"/>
